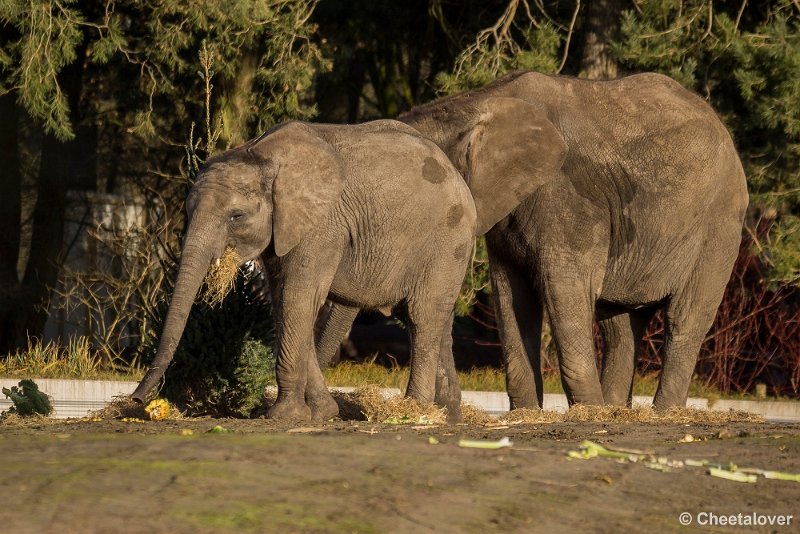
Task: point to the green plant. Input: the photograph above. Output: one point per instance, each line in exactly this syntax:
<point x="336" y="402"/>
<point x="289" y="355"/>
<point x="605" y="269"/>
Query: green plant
<point x="27" y="399"/>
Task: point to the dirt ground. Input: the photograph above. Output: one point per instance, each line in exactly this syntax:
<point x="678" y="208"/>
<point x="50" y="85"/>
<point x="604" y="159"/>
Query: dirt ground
<point x="356" y="476"/>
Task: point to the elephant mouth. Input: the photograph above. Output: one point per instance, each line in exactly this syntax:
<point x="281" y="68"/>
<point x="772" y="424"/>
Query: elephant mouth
<point x="221" y="277"/>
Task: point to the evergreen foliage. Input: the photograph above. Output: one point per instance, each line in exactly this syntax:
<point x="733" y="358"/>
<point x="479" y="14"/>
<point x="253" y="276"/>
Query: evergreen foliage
<point x="744" y="58"/>
<point x="224" y="360"/>
<point x="27" y="399"/>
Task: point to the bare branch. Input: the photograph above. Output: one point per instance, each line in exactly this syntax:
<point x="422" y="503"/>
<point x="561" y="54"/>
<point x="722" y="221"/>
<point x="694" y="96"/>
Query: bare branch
<point x="569" y="35"/>
<point x="741" y="12"/>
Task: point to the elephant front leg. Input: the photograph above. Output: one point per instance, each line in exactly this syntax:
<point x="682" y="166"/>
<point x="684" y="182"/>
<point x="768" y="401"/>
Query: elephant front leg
<point x="294" y="337"/>
<point x="519" y="322"/>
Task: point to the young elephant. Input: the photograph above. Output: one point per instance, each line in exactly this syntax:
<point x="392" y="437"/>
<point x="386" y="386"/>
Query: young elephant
<point x="373" y="215"/>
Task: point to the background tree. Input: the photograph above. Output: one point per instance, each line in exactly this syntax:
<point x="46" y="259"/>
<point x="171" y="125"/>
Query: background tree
<point x="108" y="97"/>
<point x="107" y="92"/>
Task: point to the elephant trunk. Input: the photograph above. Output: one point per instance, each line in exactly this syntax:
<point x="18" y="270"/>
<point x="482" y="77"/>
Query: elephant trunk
<point x="195" y="261"/>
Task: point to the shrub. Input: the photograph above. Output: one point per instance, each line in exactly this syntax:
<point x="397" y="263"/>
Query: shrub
<point x="27" y="399"/>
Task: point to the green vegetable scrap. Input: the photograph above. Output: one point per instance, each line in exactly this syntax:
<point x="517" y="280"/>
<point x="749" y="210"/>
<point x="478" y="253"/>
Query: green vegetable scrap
<point x="705" y="463"/>
<point x="27" y="399"/>
<point x="663" y="464"/>
<point x="590" y="449"/>
<point x="407" y="419"/>
<point x="485" y="444"/>
<point x="736" y="476"/>
<point x="729" y="471"/>
<point x="774" y="475"/>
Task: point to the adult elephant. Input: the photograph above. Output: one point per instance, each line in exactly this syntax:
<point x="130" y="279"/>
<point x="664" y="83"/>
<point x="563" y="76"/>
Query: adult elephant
<point x="644" y="213"/>
<point x="374" y="215"/>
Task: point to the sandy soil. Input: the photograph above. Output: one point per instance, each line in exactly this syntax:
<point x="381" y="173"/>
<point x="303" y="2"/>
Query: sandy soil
<point x="355" y="476"/>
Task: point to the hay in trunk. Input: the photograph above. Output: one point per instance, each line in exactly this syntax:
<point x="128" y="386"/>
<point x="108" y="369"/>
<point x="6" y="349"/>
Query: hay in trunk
<point x="221" y="277"/>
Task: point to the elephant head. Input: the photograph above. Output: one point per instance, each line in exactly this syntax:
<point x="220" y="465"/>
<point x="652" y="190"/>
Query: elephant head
<point x="272" y="190"/>
<point x="504" y="147"/>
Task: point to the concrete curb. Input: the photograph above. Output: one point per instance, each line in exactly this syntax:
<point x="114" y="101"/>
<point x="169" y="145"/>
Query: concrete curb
<point x="73" y="398"/>
<point x="496" y="402"/>
<point x="76" y="398"/>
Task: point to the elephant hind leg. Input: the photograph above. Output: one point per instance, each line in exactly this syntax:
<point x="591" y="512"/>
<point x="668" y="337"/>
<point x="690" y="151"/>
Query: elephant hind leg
<point x="683" y="335"/>
<point x="689" y="315"/>
<point x="317" y="397"/>
<point x="519" y="322"/>
<point x="622" y="337"/>
<point x="429" y="322"/>
<point x="448" y="391"/>
<point x="335" y="321"/>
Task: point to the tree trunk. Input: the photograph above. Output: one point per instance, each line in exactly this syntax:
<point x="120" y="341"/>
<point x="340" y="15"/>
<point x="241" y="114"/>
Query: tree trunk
<point x="602" y="26"/>
<point x="63" y="165"/>
<point x="10" y="218"/>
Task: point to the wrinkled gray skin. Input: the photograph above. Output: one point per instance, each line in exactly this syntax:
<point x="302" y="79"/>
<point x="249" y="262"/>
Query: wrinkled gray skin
<point x="375" y="216"/>
<point x="645" y="212"/>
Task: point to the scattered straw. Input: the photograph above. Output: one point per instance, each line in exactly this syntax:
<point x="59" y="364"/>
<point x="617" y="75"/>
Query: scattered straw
<point x="531" y="416"/>
<point x="14" y="419"/>
<point x="472" y="415"/>
<point x="397" y="409"/>
<point x="119" y="407"/>
<point x="582" y="413"/>
<point x="221" y="277"/>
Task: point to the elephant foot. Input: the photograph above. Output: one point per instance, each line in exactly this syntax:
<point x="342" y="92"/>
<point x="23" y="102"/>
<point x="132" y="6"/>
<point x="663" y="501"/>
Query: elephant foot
<point x="289" y="410"/>
<point x="452" y="405"/>
<point x="663" y="403"/>
<point x="594" y="398"/>
<point x="323" y="406"/>
<point x="625" y="402"/>
<point x="587" y="401"/>
<point x="531" y="403"/>
<point x="454" y="414"/>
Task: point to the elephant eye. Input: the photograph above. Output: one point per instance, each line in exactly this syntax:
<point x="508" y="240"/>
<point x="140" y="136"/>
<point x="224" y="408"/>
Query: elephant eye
<point x="236" y="216"/>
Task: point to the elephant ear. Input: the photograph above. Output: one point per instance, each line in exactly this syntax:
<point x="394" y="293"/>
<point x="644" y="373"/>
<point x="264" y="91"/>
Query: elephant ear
<point x="310" y="176"/>
<point x="507" y="155"/>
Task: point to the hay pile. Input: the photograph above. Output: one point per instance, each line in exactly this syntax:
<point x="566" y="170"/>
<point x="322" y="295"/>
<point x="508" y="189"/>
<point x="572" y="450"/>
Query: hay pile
<point x="368" y="403"/>
<point x="221" y="278"/>
<point x="119" y="407"/>
<point x="397" y="409"/>
<point x="472" y="415"/>
<point x="584" y="413"/>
